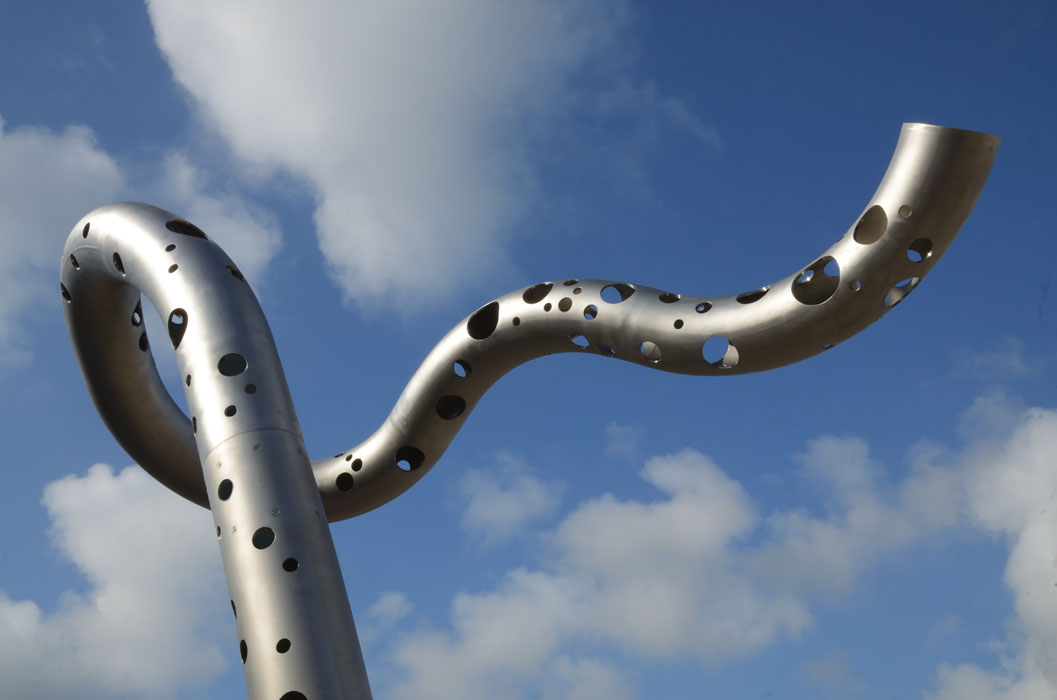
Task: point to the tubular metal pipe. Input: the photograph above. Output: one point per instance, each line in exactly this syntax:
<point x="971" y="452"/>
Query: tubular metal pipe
<point x="244" y="432"/>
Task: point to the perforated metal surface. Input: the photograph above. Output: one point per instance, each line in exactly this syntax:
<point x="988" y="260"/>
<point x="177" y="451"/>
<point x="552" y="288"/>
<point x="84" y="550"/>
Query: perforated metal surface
<point x="241" y="453"/>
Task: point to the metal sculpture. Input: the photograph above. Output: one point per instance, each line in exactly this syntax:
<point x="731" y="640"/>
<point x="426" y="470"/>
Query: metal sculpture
<point x="241" y="452"/>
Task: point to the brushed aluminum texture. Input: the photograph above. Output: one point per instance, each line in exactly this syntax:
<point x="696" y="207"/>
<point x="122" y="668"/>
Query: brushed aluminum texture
<point x="241" y="452"/>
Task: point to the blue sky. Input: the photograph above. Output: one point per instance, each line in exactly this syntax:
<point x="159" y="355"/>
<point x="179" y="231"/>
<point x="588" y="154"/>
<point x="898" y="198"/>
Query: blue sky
<point x="876" y="522"/>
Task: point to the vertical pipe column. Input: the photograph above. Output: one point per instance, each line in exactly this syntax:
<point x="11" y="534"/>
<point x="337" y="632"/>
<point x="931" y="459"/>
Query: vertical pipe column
<point x="296" y="634"/>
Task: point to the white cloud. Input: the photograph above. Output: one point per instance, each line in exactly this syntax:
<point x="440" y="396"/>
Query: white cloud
<point x="700" y="573"/>
<point x="622" y="441"/>
<point x="500" y="502"/>
<point x="149" y="623"/>
<point x="48" y="180"/>
<point x="248" y="234"/>
<point x="414" y="124"/>
<point x="834" y="676"/>
<point x="390" y="608"/>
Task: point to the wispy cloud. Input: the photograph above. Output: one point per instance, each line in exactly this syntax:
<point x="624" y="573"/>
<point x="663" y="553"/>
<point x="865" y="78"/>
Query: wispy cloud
<point x="501" y="501"/>
<point x="148" y="624"/>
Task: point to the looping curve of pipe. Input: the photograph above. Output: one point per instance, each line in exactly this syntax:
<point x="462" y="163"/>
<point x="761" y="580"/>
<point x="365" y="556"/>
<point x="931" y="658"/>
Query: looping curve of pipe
<point x="234" y="381"/>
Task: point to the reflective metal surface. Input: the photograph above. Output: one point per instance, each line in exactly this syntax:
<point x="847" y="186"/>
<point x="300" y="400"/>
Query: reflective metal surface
<point x="243" y="434"/>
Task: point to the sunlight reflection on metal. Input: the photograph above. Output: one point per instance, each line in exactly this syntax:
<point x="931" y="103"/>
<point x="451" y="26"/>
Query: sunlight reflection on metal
<point x="242" y="454"/>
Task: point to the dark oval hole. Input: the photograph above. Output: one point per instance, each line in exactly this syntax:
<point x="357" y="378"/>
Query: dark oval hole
<point x="224" y="489"/>
<point x="232" y="364"/>
<point x="461" y="368"/>
<point x="118" y="264"/>
<point x="703" y="307"/>
<point x="669" y="298"/>
<point x="73" y="261"/>
<point x="536" y="293"/>
<point x="263" y="538"/>
<point x="177" y="327"/>
<point x="356" y="465"/>
<point x="144" y="344"/>
<point x="65" y="293"/>
<point x="749" y="297"/>
<point x="283" y="645"/>
<point x="817" y="282"/>
<point x="137" y="314"/>
<point x="186" y="228"/>
<point x="293" y="695"/>
<point x="483" y="322"/>
<point x="243" y="650"/>
<point x="450" y="407"/>
<point x="84" y="231"/>
<point x="344" y="481"/>
<point x="409" y="458"/>
<point x="290" y="565"/>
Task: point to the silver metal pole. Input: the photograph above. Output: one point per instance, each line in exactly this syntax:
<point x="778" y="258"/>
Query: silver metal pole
<point x="241" y="452"/>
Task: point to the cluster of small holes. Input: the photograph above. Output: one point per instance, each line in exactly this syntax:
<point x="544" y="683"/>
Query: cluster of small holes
<point x="580" y="341"/>
<point x="450" y="407"/>
<point x="536" y="293"/>
<point x="263" y="538"/>
<point x="409" y="458"/>
<point x="750" y="297"/>
<point x="483" y="321"/>
<point x="177" y="327"/>
<point x="719" y="352"/>
<point x="185" y="228"/>
<point x="616" y="293"/>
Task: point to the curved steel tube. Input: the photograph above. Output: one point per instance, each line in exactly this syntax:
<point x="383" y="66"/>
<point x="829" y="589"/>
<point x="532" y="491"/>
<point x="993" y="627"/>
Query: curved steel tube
<point x="924" y="198"/>
<point x="242" y="453"/>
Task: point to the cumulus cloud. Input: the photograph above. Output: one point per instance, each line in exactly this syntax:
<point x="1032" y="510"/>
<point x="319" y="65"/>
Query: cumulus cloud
<point x="417" y="126"/>
<point x="622" y="441"/>
<point x="500" y="502"/>
<point x="701" y="573"/>
<point x="148" y="624"/>
<point x="48" y="180"/>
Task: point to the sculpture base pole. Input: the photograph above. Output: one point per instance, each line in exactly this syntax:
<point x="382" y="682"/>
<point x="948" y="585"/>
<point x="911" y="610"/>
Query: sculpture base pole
<point x="296" y="633"/>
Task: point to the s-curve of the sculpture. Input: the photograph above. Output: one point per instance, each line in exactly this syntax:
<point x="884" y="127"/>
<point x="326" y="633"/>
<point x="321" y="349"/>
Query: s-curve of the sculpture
<point x="241" y="453"/>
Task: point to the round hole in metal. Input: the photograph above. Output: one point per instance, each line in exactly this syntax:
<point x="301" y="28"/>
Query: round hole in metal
<point x="224" y="489"/>
<point x="590" y="312"/>
<point x="263" y="538"/>
<point x="750" y="297"/>
<point x="177" y="327"/>
<point x="344" y="481"/>
<point x="356" y="465"/>
<point x="118" y="264"/>
<point x="483" y="321"/>
<point x="669" y="298"/>
<point x="565" y="304"/>
<point x="703" y="307"/>
<point x="719" y="352"/>
<point x="185" y="228"/>
<point x="650" y="351"/>
<point x="230" y="411"/>
<point x="920" y="250"/>
<point x="232" y="364"/>
<point x="871" y="226"/>
<point x="617" y="292"/>
<point x="409" y="458"/>
<point x="283" y="645"/>
<point x="536" y="293"/>
<point x="290" y="565"/>
<point x="450" y="407"/>
<point x="461" y="368"/>
<point x="65" y="293"/>
<point x="580" y="341"/>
